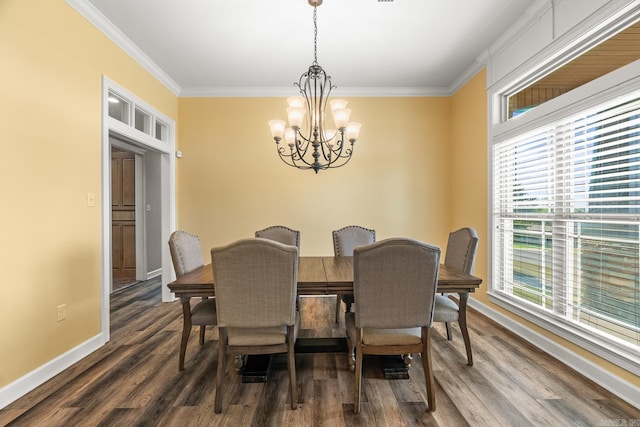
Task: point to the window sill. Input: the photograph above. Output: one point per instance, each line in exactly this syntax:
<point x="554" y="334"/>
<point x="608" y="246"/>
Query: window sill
<point x="615" y="352"/>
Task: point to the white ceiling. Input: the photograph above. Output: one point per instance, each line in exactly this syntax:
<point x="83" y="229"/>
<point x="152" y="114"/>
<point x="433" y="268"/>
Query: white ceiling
<point x="210" y="47"/>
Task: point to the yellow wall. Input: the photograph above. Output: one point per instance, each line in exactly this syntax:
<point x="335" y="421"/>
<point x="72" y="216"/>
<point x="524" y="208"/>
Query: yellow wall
<point x="468" y="171"/>
<point x="469" y="178"/>
<point x="52" y="63"/>
<point x="231" y="181"/>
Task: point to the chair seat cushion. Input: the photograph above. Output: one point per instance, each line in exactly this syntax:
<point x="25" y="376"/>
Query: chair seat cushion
<point x="261" y="336"/>
<point x="445" y="310"/>
<point x="374" y="336"/>
<point x="204" y="313"/>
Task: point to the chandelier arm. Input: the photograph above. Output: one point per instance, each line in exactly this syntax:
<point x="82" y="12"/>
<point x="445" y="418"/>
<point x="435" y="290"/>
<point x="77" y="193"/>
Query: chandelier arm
<point x="335" y="163"/>
<point x="330" y="151"/>
<point x="284" y="157"/>
<point x="347" y="157"/>
<point x="338" y="151"/>
<point x="302" y="147"/>
<point x="300" y="152"/>
<point x="290" y="159"/>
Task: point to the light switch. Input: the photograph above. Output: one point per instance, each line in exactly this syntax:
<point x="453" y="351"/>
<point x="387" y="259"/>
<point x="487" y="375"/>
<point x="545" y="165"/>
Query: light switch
<point x="91" y="199"/>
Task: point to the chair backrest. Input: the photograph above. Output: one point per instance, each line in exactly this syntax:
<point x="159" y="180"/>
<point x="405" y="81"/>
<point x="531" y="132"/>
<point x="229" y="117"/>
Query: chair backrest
<point x="349" y="237"/>
<point x="186" y="253"/>
<point x="461" y="249"/>
<point x="281" y="234"/>
<point x="395" y="283"/>
<point x="255" y="282"/>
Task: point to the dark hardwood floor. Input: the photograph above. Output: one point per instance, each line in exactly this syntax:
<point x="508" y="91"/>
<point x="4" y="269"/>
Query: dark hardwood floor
<point x="134" y="381"/>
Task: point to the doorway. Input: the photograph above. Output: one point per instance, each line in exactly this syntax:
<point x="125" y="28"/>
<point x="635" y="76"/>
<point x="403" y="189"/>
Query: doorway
<point x="136" y="214"/>
<point x="131" y="125"/>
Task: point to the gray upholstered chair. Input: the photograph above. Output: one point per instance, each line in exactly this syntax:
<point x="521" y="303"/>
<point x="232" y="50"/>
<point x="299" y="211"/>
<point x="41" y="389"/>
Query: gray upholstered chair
<point x="393" y="281"/>
<point x="281" y="234"/>
<point x="344" y="241"/>
<point x="255" y="284"/>
<point x="461" y="254"/>
<point x="187" y="256"/>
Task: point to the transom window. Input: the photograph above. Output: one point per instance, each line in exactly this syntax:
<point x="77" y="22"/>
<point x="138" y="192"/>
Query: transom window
<point x="128" y="112"/>
<point x="611" y="54"/>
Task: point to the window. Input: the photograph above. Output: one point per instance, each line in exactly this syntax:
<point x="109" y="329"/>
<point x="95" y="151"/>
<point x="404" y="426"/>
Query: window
<point x="162" y="131"/>
<point x="119" y="107"/>
<point x="142" y="121"/>
<point x="566" y="215"/>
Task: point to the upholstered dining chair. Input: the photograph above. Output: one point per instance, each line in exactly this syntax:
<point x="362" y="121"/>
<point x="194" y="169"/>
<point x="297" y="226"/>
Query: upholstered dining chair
<point x="460" y="255"/>
<point x="255" y="283"/>
<point x="186" y="255"/>
<point x="344" y="241"/>
<point x="393" y="281"/>
<point x="281" y="234"/>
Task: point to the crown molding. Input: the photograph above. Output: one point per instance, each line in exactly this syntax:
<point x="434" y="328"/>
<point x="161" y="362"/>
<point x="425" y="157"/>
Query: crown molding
<point x="91" y="14"/>
<point x="259" y="92"/>
<point x="531" y="15"/>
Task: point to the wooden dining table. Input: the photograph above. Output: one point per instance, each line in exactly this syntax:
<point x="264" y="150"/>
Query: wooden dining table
<point x="323" y="275"/>
<point x="320" y="275"/>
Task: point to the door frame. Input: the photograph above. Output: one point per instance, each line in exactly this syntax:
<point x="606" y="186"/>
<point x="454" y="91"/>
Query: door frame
<point x="166" y="148"/>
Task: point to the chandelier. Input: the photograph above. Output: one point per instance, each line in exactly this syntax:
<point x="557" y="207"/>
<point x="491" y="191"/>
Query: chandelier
<point x="318" y="147"/>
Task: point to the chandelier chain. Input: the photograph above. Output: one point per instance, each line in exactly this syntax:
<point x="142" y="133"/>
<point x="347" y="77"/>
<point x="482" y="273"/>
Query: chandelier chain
<point x="315" y="36"/>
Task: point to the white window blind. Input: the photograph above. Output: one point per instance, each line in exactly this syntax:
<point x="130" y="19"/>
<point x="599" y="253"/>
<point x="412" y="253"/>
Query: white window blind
<point x="566" y="208"/>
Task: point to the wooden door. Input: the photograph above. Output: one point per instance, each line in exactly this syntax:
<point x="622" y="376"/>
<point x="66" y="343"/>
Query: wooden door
<point x="123" y="215"/>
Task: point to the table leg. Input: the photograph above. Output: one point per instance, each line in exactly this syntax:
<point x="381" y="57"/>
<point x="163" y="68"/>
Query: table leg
<point x="394" y="367"/>
<point x="256" y="368"/>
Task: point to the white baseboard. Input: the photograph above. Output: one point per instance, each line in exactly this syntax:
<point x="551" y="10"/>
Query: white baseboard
<point x="621" y="388"/>
<point x="21" y="386"/>
<point x="154" y="273"/>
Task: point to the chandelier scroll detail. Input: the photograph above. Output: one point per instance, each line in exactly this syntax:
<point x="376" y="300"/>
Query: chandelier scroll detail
<point x="311" y="145"/>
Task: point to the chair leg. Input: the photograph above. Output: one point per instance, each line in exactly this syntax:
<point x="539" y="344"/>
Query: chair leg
<point x="186" y="330"/>
<point x="202" y="329"/>
<point x="358" y="378"/>
<point x="291" y="361"/>
<point x="222" y="355"/>
<point x="338" y="307"/>
<point x="462" y="321"/>
<point x="351" y="348"/>
<point x="428" y="368"/>
<point x="448" y="327"/>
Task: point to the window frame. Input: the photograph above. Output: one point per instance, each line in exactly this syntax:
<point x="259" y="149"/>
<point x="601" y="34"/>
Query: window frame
<point x="590" y="95"/>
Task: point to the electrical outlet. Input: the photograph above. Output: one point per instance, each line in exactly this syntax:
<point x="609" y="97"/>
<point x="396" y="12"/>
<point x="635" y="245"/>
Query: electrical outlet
<point x="62" y="312"/>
